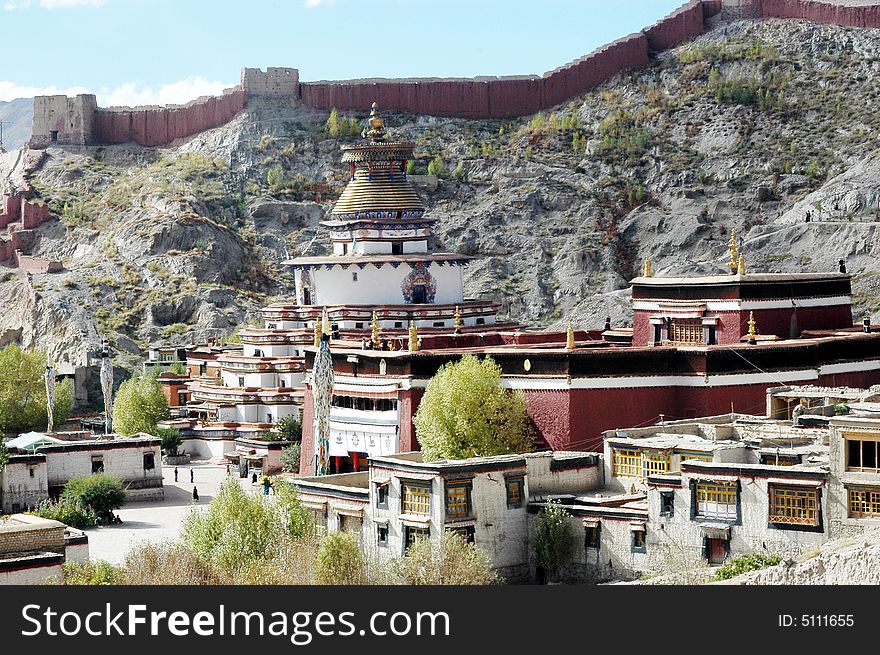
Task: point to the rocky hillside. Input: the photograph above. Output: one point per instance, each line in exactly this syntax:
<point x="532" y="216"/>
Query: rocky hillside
<point x="17" y="117"/>
<point x="749" y="127"/>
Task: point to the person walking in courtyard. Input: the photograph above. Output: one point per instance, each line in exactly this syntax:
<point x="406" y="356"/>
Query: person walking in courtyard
<point x="192" y="475"/>
<point x="195" y="495"/>
<point x="175" y="474"/>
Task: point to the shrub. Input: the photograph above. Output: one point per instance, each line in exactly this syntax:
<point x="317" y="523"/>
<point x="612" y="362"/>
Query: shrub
<point x="169" y="563"/>
<point x="437" y="167"/>
<point x="287" y="429"/>
<point x="178" y="368"/>
<point x="290" y="457"/>
<point x="746" y="563"/>
<point x="460" y="172"/>
<point x="90" y="573"/>
<point x="553" y="539"/>
<point x="103" y="492"/>
<point x="451" y="562"/>
<point x="275" y="178"/>
<point x="171" y="440"/>
<point x="339" y="560"/>
<point x="74" y="513"/>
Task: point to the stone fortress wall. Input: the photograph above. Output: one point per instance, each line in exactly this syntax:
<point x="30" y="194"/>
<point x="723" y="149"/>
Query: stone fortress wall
<point x="79" y="121"/>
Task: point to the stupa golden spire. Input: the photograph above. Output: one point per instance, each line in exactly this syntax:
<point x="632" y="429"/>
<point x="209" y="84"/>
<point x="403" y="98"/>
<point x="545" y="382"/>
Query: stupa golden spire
<point x="375" y="130"/>
<point x="317" y="332"/>
<point x="458" y="323"/>
<point x="741" y="265"/>
<point x="374" y="327"/>
<point x="569" y="338"/>
<point x="413" y="337"/>
<point x="753" y="333"/>
<point x="648" y="271"/>
<point x="733" y="264"/>
<point x="325" y="323"/>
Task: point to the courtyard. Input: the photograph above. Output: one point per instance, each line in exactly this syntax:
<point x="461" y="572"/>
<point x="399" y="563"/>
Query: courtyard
<point x="158" y="521"/>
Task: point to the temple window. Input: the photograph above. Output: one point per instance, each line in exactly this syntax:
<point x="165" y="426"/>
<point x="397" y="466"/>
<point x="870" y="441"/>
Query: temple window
<point x="591" y="534"/>
<point x="419" y="294"/>
<point x="715" y="501"/>
<point x="861" y="453"/>
<point x="667" y="503"/>
<point x="354" y="276"/>
<point x="515" y="492"/>
<point x="638" y="544"/>
<point x="625" y="463"/>
<point x="864" y="503"/>
<point x="699" y="457"/>
<point x="466" y="532"/>
<point x="398" y="324"/>
<point x="382" y="496"/>
<point x="397" y="248"/>
<point x="481" y="321"/>
<point x="686" y="330"/>
<point x="654" y="462"/>
<point x="458" y="500"/>
<point x="415" y="498"/>
<point x="149" y="461"/>
<point x="382" y="536"/>
<point x="97" y="463"/>
<point x="411" y="533"/>
<point x="794" y="506"/>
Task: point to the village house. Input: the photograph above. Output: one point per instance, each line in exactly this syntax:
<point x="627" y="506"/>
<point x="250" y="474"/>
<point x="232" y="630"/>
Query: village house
<point x="33" y="549"/>
<point x="35" y="474"/>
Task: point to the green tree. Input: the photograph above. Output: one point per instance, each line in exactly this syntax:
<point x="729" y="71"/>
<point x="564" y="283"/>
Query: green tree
<point x="139" y="405"/>
<point x="339" y="560"/>
<point x="171" y="440"/>
<point x="238" y="529"/>
<point x="23" y="391"/>
<point x="437" y="167"/>
<point x="288" y="429"/>
<point x="290" y="457"/>
<point x="178" y="368"/>
<point x="553" y="539"/>
<point x="451" y="562"/>
<point x="466" y="413"/>
<point x="4" y="456"/>
<point x="103" y="492"/>
<point x="334" y="126"/>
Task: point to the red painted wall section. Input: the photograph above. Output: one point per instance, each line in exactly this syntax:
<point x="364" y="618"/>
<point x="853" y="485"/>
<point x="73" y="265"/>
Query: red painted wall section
<point x="823" y="12"/>
<point x="684" y="24"/>
<point x="33" y="215"/>
<point x="550" y="414"/>
<point x="155" y="126"/>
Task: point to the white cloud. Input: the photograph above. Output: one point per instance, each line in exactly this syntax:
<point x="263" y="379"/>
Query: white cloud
<point x="12" y="5"/>
<point x="318" y="3"/>
<point x="11" y="91"/>
<point x="130" y="94"/>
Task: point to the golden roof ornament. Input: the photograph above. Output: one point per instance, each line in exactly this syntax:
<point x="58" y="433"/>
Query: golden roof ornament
<point x="741" y="266"/>
<point x="753" y="333"/>
<point x="325" y="323"/>
<point x="569" y="338"/>
<point x="648" y="272"/>
<point x="733" y="264"/>
<point x="458" y="323"/>
<point x="413" y="337"/>
<point x="317" y="333"/>
<point x="374" y="327"/>
<point x="375" y="130"/>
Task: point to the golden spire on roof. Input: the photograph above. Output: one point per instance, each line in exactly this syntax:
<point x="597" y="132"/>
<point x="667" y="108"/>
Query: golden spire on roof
<point x="648" y="272"/>
<point x="733" y="264"/>
<point x="741" y="265"/>
<point x="753" y="333"/>
<point x="413" y="337"/>
<point x="317" y="333"/>
<point x="458" y="323"/>
<point x="569" y="338"/>
<point x="376" y="125"/>
<point x="325" y="323"/>
<point x="374" y="326"/>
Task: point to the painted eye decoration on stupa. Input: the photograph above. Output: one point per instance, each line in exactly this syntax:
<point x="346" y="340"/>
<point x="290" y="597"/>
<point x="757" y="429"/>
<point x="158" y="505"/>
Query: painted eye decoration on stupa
<point x="419" y="286"/>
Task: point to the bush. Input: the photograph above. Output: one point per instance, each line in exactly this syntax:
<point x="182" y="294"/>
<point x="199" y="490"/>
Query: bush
<point x="171" y="440"/>
<point x="451" y="562"/>
<point x="746" y="563"/>
<point x="275" y="178"/>
<point x="287" y="429"/>
<point x="103" y="492"/>
<point x="553" y="539"/>
<point x="74" y="513"/>
<point x="437" y="167"/>
<point x="238" y="529"/>
<point x="290" y="457"/>
<point x="90" y="573"/>
<point x="339" y="560"/>
<point x="166" y="564"/>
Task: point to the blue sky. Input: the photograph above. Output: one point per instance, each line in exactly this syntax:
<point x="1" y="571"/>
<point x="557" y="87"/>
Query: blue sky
<point x="160" y="51"/>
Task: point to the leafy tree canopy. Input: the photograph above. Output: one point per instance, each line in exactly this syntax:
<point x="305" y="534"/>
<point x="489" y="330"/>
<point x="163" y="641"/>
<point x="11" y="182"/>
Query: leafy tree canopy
<point x="339" y="560"/>
<point x="466" y="413"/>
<point x="139" y="405"/>
<point x="553" y="539"/>
<point x="23" y="391"/>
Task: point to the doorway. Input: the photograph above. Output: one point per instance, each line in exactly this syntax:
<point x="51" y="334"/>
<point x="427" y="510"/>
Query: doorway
<point x="716" y="550"/>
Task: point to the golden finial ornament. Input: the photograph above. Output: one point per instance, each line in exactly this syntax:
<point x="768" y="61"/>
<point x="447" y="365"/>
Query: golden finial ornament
<point x="375" y="130"/>
<point x="648" y="272"/>
<point x="733" y="264"/>
<point x="458" y="323"/>
<point x="374" y="327"/>
<point x="317" y="333"/>
<point x="325" y="323"/>
<point x="413" y="337"/>
<point x="753" y="333"/>
<point x="569" y="338"/>
<point x="741" y="265"/>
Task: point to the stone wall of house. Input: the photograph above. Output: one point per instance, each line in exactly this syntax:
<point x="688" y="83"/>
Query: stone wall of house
<point x="23" y="483"/>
